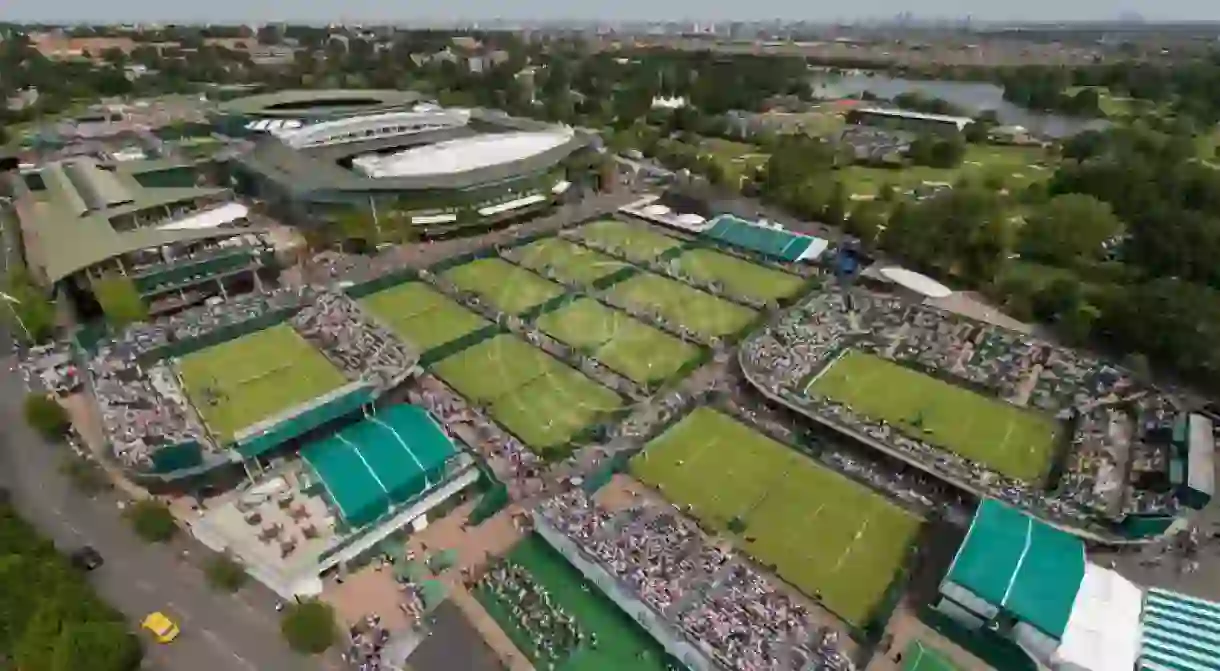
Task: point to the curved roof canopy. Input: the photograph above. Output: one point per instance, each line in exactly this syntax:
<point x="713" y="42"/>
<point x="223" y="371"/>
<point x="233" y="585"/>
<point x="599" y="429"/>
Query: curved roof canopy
<point x="358" y="128"/>
<point x="916" y="282"/>
<point x="463" y="155"/>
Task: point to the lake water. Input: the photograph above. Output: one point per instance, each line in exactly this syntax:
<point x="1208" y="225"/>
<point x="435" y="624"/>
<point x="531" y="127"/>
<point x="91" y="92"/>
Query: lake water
<point x="974" y="97"/>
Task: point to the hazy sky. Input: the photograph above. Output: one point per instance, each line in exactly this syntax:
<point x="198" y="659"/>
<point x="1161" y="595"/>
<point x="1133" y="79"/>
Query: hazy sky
<point x="702" y="10"/>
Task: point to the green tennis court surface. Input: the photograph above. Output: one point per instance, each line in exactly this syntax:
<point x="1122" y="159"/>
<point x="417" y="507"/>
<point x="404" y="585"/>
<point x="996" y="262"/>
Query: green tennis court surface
<point x="827" y="535"/>
<point x="635" y="242"/>
<point x="630" y="347"/>
<point x="538" y="398"/>
<point x="700" y="312"/>
<point x="421" y="315"/>
<point x="570" y="262"/>
<point x="738" y="277"/>
<point x="254" y="377"/>
<point x="622" y="645"/>
<point x="1016" y="442"/>
<point x="509" y="288"/>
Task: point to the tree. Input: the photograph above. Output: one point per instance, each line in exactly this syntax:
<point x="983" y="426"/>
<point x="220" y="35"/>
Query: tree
<point x="1069" y="229"/>
<point x="225" y="573"/>
<point x="309" y="626"/>
<point x="152" y="521"/>
<point x="120" y="301"/>
<point x="98" y="646"/>
<point x="29" y="313"/>
<point x="866" y="220"/>
<point x="46" y="416"/>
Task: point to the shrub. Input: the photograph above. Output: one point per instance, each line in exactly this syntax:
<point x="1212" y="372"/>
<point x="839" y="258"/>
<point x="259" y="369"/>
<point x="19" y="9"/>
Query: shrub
<point x="46" y="416"/>
<point x="152" y="521"/>
<point x="225" y="573"/>
<point x="309" y="626"/>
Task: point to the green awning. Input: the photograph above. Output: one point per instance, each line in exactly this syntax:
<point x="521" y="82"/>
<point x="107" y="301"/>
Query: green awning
<point x="409" y="571"/>
<point x="442" y="560"/>
<point x="433" y="593"/>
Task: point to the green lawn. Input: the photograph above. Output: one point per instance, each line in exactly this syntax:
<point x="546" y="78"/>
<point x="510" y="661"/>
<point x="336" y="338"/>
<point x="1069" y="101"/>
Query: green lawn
<point x="241" y="382"/>
<point x="422" y="315"/>
<point x="630" y="347"/>
<point x="1014" y="441"/>
<point x="736" y="159"/>
<point x="509" y="288"/>
<point x="738" y="277"/>
<point x="703" y="313"/>
<point x="622" y="644"/>
<point x="571" y="262"/>
<point x="541" y="400"/>
<point x="636" y="242"/>
<point x="827" y="535"/>
<point x="1017" y="167"/>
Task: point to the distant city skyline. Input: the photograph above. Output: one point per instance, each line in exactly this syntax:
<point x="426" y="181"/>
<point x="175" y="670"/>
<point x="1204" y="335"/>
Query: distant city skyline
<point x="322" y="11"/>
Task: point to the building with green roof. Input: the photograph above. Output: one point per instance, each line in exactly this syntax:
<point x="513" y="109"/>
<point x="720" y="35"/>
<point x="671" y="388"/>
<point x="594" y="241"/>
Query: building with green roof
<point x="178" y="241"/>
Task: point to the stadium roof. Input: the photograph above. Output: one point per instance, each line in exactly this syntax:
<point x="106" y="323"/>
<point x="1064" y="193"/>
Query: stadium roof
<point x="67" y="227"/>
<point x="1020" y="565"/>
<point x="913" y="281"/>
<point x="1179" y="633"/>
<point x="330" y="102"/>
<point x="317" y="170"/>
<point x="960" y="121"/>
<point x="772" y="241"/>
<point x="1103" y="630"/>
<point x="454" y="157"/>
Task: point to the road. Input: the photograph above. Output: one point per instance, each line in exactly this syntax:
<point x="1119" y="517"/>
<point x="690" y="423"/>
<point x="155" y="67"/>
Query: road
<point x="220" y="632"/>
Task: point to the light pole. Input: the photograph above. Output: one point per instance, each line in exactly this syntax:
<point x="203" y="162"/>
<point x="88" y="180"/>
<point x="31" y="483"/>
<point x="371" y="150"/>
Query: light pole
<point x="11" y="302"/>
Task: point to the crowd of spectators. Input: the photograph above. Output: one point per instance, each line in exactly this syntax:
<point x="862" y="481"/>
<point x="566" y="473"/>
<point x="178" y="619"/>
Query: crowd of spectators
<point x="1009" y="366"/>
<point x="868" y="144"/>
<point x="368" y="639"/>
<point x="360" y="347"/>
<point x="696" y="587"/>
<point x="553" y="633"/>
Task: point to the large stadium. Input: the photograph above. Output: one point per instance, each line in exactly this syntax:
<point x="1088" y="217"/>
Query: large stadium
<point x="322" y="156"/>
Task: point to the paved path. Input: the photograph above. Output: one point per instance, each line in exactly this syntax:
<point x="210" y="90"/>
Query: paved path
<point x="219" y="632"/>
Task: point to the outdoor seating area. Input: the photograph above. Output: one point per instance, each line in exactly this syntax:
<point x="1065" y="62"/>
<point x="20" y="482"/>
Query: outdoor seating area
<point x="1011" y="367"/>
<point x="700" y="589"/>
<point x="352" y="341"/>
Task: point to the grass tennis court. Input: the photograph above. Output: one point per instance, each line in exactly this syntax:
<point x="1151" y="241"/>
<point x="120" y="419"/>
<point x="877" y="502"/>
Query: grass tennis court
<point x="622" y="644"/>
<point x="570" y="262"/>
<point x="635" y="241"/>
<point x="422" y="315"/>
<point x="244" y="381"/>
<point x="700" y="312"/>
<point x="739" y="277"/>
<point x="625" y="344"/>
<point x="826" y="535"/>
<point x="509" y="288"/>
<point x="1014" y="441"/>
<point x="538" y="398"/>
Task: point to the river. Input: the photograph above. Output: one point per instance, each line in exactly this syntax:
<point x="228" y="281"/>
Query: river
<point x="974" y="97"/>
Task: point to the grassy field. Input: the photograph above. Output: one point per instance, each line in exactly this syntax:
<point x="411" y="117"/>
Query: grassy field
<point x="825" y="534"/>
<point x="738" y="277"/>
<point x="540" y="399"/>
<point x="421" y="315"/>
<point x="571" y="262"/>
<point x="1016" y="167"/>
<point x="622" y="644"/>
<point x="1014" y="441"/>
<point x="624" y="344"/>
<point x="700" y="312"/>
<point x="244" y="381"/>
<point x="509" y="288"/>
<point x="736" y="159"/>
<point x="635" y="241"/>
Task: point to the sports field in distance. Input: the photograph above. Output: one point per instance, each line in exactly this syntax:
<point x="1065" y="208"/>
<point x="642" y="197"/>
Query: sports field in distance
<point x="1015" y="442"/>
<point x="700" y="312"/>
<point x="568" y="261"/>
<point x="636" y="242"/>
<point x="509" y="288"/>
<point x="625" y="344"/>
<point x="421" y="315"/>
<point x="622" y="643"/>
<point x="541" y="400"/>
<point x="738" y="277"/>
<point x="827" y="535"/>
<point x="254" y="377"/>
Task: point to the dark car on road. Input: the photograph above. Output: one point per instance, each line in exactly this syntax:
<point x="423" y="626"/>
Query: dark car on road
<point x="85" y="559"/>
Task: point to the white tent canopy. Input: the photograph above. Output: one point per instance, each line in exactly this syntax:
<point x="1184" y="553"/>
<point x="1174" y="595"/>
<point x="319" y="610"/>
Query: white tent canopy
<point x="1103" y="630"/>
<point x="217" y="216"/>
<point x="913" y="281"/>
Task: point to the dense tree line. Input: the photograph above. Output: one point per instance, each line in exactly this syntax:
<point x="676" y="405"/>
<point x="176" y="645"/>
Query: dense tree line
<point x="50" y="619"/>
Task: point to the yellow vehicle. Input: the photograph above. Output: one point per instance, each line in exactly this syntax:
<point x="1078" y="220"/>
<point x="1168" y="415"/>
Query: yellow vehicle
<point x="162" y="628"/>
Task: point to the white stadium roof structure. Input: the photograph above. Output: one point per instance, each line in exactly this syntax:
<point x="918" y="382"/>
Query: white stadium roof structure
<point x="368" y="127"/>
<point x="463" y="155"/>
<point x="915" y="282"/>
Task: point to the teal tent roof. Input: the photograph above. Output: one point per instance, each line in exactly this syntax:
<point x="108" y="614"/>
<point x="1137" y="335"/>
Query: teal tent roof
<point x="1020" y="565"/>
<point x="1179" y="633"/>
